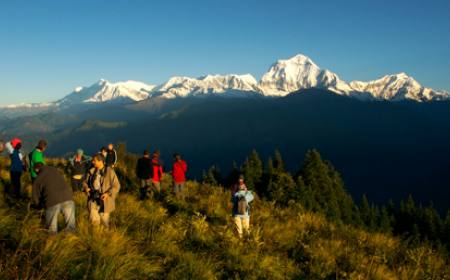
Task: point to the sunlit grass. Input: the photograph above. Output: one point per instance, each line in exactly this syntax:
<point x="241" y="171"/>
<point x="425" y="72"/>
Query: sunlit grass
<point x="167" y="238"/>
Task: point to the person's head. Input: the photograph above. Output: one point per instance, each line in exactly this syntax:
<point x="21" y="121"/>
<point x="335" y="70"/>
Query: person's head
<point x="2" y="146"/>
<point x="18" y="146"/>
<point x="15" y="142"/>
<point x="177" y="157"/>
<point x="103" y="151"/>
<point x="98" y="161"/>
<point x="80" y="152"/>
<point x="241" y="180"/>
<point x="110" y="146"/>
<point x="146" y="153"/>
<point x="156" y="154"/>
<point x="42" y="145"/>
<point x="38" y="167"/>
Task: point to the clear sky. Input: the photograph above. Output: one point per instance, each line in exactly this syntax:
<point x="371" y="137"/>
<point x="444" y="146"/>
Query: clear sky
<point x="47" y="48"/>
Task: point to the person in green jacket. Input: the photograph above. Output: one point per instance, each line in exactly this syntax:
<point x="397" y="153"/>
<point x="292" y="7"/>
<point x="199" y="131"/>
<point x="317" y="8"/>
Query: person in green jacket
<point x="37" y="155"/>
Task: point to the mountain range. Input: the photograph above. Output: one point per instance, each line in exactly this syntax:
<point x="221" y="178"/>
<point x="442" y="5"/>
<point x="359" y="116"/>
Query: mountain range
<point x="388" y="137"/>
<point x="282" y="78"/>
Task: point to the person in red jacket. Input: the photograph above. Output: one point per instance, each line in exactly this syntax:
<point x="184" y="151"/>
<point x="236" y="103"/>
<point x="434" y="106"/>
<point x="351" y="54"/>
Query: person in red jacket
<point x="157" y="172"/>
<point x="179" y="176"/>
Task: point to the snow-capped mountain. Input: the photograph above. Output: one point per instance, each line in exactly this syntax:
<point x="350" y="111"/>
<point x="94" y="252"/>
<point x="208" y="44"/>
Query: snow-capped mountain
<point x="282" y="78"/>
<point x="106" y="92"/>
<point x="299" y="72"/>
<point x="398" y="87"/>
<point x="226" y="85"/>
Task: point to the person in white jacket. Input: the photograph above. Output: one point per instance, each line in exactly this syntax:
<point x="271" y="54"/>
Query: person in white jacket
<point x="241" y="199"/>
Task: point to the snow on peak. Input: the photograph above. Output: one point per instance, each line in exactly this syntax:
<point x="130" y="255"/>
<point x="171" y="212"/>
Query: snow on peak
<point x="209" y="84"/>
<point x="398" y="87"/>
<point x="299" y="72"/>
<point x="283" y="77"/>
<point x="103" y="91"/>
<point x="299" y="59"/>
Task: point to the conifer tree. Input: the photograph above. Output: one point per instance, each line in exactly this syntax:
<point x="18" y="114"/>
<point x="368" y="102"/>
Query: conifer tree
<point x="212" y="176"/>
<point x="324" y="189"/>
<point x="253" y="171"/>
<point x="385" y="220"/>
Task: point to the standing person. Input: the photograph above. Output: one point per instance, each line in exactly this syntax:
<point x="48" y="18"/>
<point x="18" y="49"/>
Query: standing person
<point x="157" y="172"/>
<point x="51" y="191"/>
<point x="102" y="187"/>
<point x="18" y="166"/>
<point x="37" y="155"/>
<point x="241" y="208"/>
<point x="179" y="176"/>
<point x="111" y="156"/>
<point x="79" y="164"/>
<point x="144" y="171"/>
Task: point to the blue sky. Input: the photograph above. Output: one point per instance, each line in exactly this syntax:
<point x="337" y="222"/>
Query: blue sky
<point x="47" y="48"/>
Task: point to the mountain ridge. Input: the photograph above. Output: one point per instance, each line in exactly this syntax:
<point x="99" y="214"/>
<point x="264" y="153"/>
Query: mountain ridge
<point x="282" y="78"/>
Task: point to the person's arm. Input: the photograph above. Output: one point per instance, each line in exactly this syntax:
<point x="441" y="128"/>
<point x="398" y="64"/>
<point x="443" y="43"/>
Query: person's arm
<point x="36" y="192"/>
<point x="115" y="157"/>
<point x="185" y="166"/>
<point x="86" y="185"/>
<point x="249" y="196"/>
<point x="115" y="185"/>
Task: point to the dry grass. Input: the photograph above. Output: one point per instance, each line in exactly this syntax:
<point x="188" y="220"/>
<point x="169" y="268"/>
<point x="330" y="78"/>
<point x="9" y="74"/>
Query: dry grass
<point x="194" y="239"/>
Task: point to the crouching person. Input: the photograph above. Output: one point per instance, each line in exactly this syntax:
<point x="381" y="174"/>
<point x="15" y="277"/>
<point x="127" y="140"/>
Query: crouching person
<point x="241" y="207"/>
<point x="102" y="187"/>
<point x="51" y="191"/>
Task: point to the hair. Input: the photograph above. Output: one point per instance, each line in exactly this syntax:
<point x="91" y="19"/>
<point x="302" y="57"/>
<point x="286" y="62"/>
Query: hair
<point x="156" y="154"/>
<point x="99" y="157"/>
<point x="42" y="144"/>
<point x="146" y="153"/>
<point x="177" y="156"/>
<point x="103" y="149"/>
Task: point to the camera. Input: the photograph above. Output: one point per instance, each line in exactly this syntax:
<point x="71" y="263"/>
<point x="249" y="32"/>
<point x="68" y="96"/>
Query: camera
<point x="96" y="196"/>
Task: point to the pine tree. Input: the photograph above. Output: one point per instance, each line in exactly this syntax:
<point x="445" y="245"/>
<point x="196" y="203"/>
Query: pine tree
<point x="212" y="176"/>
<point x="281" y="187"/>
<point x="253" y="171"/>
<point x="324" y="189"/>
<point x="278" y="162"/>
<point x="430" y="222"/>
<point x="365" y="212"/>
<point x="385" y="220"/>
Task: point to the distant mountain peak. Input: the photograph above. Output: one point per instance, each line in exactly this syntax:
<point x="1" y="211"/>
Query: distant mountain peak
<point x="299" y="72"/>
<point x="299" y="59"/>
<point x="282" y="78"/>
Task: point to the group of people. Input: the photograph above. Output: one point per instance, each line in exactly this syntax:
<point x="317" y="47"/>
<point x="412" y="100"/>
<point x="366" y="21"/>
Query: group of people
<point x="96" y="177"/>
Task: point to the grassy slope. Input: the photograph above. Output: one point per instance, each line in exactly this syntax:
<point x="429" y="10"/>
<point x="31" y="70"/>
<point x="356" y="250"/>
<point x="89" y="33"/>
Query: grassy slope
<point x="169" y="239"/>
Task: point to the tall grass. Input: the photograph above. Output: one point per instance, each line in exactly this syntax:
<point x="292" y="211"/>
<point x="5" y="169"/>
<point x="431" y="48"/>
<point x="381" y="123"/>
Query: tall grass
<point x="166" y="238"/>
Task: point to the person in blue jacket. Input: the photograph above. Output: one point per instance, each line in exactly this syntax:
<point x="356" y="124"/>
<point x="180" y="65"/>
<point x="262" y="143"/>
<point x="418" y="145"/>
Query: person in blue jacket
<point x="18" y="166"/>
<point x="241" y="199"/>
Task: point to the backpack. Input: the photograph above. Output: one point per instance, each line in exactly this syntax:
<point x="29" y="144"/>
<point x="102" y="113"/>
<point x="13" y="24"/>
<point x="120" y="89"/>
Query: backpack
<point x="242" y="205"/>
<point x="30" y="157"/>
